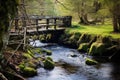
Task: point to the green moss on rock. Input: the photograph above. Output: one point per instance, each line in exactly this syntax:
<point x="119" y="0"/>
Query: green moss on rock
<point x="27" y="56"/>
<point x="84" y="38"/>
<point x="89" y="61"/>
<point x="28" y="71"/>
<point x="97" y="49"/>
<point x="83" y="47"/>
<point x="48" y="64"/>
<point x="48" y="52"/>
<point x="49" y="58"/>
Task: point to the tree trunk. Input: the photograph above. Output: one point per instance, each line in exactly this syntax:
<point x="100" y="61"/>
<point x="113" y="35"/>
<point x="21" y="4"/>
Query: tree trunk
<point x="119" y="23"/>
<point x="84" y="19"/>
<point x="115" y="23"/>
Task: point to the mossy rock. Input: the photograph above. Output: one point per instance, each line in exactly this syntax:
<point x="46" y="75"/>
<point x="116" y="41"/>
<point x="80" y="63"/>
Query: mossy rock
<point x="49" y="58"/>
<point x="27" y="56"/>
<point x="28" y="71"/>
<point x="37" y="50"/>
<point x="21" y="66"/>
<point x="89" y="61"/>
<point x="48" y="52"/>
<point x="83" y="47"/>
<point x="32" y="64"/>
<point x="48" y="64"/>
<point x="97" y="49"/>
<point x="49" y="36"/>
<point x="84" y="38"/>
<point x="29" y="51"/>
<point x="104" y="39"/>
<point x="111" y="50"/>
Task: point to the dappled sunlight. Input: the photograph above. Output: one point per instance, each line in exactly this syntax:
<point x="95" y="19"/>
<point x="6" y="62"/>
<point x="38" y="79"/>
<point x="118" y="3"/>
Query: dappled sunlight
<point x="104" y="30"/>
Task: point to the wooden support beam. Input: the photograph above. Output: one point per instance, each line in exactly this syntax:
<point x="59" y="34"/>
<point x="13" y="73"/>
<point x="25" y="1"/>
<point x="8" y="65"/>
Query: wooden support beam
<point x="37" y="24"/>
<point x="55" y="23"/>
<point x="47" y="23"/>
<point x="16" y="24"/>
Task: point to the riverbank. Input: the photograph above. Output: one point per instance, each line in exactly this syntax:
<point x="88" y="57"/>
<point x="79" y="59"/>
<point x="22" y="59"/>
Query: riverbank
<point x="21" y="64"/>
<point x="96" y="41"/>
<point x="95" y="45"/>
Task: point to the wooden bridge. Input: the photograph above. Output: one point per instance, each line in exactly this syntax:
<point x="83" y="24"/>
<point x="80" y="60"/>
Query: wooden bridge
<point x="36" y="25"/>
<point x="40" y="24"/>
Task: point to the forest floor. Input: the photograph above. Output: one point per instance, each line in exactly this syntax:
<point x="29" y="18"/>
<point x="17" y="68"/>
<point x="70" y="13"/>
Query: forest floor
<point x="104" y="30"/>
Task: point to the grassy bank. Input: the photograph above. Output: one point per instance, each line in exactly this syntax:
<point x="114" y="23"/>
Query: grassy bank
<point x="104" y="30"/>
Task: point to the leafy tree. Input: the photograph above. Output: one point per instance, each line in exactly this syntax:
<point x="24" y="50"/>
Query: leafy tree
<point x="83" y="8"/>
<point x="40" y="7"/>
<point x="114" y="8"/>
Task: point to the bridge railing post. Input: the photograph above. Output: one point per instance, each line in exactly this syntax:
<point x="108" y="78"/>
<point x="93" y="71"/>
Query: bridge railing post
<point x="47" y="23"/>
<point x="55" y="23"/>
<point x="37" y="25"/>
<point x="16" y="24"/>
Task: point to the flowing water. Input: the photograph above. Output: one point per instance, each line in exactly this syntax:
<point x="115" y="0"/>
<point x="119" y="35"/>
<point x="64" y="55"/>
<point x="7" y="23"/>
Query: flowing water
<point x="74" y="68"/>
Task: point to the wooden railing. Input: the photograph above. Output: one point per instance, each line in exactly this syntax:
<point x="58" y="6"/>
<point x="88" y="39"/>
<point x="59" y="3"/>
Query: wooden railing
<point x="37" y="22"/>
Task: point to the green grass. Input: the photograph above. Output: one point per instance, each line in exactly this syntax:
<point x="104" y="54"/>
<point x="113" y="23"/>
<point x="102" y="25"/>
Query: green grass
<point x="104" y="30"/>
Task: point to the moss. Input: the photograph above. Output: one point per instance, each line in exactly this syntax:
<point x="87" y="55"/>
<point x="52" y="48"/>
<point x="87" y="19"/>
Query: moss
<point x="97" y="49"/>
<point x="29" y="51"/>
<point x="21" y="66"/>
<point x="48" y="64"/>
<point x="49" y="58"/>
<point x="27" y="56"/>
<point x="48" y="37"/>
<point x="28" y="68"/>
<point x="89" y="61"/>
<point x="32" y="65"/>
<point x="37" y="50"/>
<point x="83" y="47"/>
<point x="48" y="52"/>
<point x="28" y="71"/>
<point x="42" y="38"/>
<point x="84" y="38"/>
<point x="104" y="39"/>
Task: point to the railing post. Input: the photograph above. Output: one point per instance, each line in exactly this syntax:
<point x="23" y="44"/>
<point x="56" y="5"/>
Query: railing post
<point x="37" y="25"/>
<point x="16" y="24"/>
<point x="25" y="31"/>
<point x="55" y="23"/>
<point x="47" y="22"/>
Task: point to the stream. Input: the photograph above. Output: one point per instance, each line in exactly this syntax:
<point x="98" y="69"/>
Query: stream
<point x="69" y="67"/>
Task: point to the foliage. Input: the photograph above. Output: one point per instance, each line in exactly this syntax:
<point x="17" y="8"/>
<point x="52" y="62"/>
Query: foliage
<point x="40" y="7"/>
<point x="113" y="7"/>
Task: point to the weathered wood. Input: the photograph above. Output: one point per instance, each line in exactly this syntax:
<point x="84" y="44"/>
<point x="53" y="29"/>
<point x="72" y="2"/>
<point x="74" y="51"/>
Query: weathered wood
<point x="65" y="21"/>
<point x="25" y="30"/>
<point x="47" y="23"/>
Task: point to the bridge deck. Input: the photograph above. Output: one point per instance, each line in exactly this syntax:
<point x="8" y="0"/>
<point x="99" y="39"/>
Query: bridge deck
<point x="34" y="31"/>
